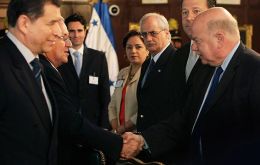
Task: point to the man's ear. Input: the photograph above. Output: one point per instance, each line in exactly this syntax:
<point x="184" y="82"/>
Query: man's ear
<point x="220" y="38"/>
<point x="23" y="23"/>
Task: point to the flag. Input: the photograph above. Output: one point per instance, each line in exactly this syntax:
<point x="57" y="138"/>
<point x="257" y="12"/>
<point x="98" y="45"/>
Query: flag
<point x="100" y="37"/>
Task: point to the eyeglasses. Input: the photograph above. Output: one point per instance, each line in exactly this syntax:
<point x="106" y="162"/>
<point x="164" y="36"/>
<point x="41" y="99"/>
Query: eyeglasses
<point x="66" y="40"/>
<point x="152" y="33"/>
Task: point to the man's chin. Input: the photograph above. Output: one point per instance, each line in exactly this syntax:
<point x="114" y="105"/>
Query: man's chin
<point x="204" y="61"/>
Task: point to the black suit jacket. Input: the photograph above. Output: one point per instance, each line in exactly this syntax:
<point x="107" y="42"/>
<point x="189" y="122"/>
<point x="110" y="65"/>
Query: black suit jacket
<point x="72" y="124"/>
<point x="91" y="99"/>
<point x="182" y="56"/>
<point x="161" y="93"/>
<point x="158" y="98"/>
<point x="231" y="126"/>
<point x="27" y="136"/>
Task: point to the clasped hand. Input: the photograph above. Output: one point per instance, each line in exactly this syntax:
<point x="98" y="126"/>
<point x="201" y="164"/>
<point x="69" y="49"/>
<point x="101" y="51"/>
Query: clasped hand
<point x="132" y="145"/>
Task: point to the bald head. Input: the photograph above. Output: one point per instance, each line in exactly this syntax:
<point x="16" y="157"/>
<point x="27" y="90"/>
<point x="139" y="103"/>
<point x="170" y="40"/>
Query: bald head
<point x="218" y="18"/>
<point x="215" y="33"/>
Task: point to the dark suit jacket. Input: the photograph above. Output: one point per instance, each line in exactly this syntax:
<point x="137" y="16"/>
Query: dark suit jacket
<point x="27" y="136"/>
<point x="231" y="127"/>
<point x="182" y="56"/>
<point x="160" y="96"/>
<point x="72" y="123"/>
<point x="92" y="99"/>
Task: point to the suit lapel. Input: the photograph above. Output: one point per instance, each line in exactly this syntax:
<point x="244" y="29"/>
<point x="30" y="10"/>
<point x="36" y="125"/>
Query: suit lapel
<point x="143" y="69"/>
<point x="71" y="67"/>
<point x="85" y="62"/>
<point x="159" y="65"/>
<point x="24" y="76"/>
<point x="227" y="76"/>
<point x="51" y="97"/>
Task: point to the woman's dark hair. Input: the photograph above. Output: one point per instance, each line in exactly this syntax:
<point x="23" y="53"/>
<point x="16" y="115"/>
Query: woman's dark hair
<point x="32" y="8"/>
<point x="130" y="34"/>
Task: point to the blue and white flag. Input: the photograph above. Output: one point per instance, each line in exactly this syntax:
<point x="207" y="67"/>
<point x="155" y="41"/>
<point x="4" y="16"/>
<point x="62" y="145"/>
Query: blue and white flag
<point x="100" y="37"/>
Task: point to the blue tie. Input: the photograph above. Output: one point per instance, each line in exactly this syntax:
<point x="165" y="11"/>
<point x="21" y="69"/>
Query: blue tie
<point x="196" y="133"/>
<point x="37" y="71"/>
<point x="148" y="70"/>
<point x="77" y="62"/>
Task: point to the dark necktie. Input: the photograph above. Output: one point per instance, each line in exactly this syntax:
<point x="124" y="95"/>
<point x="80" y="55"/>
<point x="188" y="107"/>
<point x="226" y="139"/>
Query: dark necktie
<point x="196" y="133"/>
<point x="37" y="71"/>
<point x="148" y="70"/>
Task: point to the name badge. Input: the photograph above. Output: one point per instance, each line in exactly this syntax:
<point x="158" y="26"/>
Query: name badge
<point x="119" y="83"/>
<point x="93" y="80"/>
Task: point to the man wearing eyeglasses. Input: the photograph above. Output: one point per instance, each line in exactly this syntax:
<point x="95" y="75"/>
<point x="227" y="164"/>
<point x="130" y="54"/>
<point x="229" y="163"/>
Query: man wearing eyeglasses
<point x="73" y="128"/>
<point x="60" y="51"/>
<point x="158" y="91"/>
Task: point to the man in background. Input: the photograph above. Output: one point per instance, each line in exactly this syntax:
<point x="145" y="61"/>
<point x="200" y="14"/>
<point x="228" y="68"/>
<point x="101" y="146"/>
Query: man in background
<point x="186" y="57"/>
<point x="86" y="74"/>
<point x="158" y="91"/>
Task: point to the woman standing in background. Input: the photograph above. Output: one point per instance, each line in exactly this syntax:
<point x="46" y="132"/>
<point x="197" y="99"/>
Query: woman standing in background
<point x="122" y="109"/>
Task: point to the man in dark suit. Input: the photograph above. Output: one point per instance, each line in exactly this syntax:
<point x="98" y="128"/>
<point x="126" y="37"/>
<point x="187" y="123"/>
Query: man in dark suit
<point x="186" y="58"/>
<point x="223" y="125"/>
<point x="70" y="122"/>
<point x="86" y="75"/>
<point x="28" y="116"/>
<point x="86" y="79"/>
<point x="158" y="91"/>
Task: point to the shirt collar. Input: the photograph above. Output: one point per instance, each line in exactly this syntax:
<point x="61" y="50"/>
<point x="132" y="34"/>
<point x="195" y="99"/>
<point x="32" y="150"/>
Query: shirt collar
<point x="224" y="65"/>
<point x="81" y="49"/>
<point x="156" y="57"/>
<point x="26" y="52"/>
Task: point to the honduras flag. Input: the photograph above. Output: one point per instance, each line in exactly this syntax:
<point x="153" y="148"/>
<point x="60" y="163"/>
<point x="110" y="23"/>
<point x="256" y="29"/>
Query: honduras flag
<point x="100" y="37"/>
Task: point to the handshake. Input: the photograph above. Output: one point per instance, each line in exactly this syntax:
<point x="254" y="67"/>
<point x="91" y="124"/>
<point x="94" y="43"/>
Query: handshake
<point x="132" y="145"/>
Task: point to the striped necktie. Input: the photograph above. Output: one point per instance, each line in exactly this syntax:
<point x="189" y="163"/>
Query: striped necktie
<point x="37" y="71"/>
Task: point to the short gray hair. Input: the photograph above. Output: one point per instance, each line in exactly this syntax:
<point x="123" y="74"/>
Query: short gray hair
<point x="162" y="21"/>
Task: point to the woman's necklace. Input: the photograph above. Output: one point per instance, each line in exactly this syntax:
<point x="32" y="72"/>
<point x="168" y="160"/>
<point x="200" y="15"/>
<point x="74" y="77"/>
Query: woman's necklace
<point x="132" y="71"/>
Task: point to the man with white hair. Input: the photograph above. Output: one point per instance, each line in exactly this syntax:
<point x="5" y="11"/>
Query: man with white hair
<point x="158" y="90"/>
